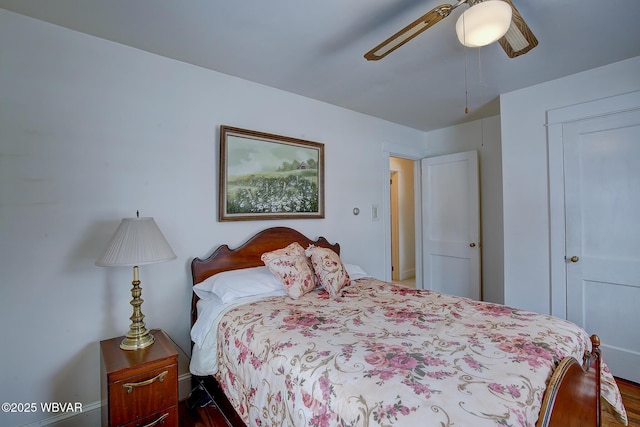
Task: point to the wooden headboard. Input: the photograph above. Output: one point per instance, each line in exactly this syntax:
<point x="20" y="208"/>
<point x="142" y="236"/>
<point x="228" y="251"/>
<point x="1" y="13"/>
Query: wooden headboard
<point x="248" y="255"/>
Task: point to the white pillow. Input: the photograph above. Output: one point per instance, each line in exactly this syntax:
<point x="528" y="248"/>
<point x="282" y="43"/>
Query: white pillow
<point x="234" y="284"/>
<point x="355" y="272"/>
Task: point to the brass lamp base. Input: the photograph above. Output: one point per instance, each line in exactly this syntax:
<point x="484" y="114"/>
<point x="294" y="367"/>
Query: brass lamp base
<point x="138" y="336"/>
<point x="137" y="343"/>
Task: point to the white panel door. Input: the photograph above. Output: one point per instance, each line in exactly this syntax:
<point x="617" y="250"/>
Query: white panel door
<point x="451" y="224"/>
<point x="602" y="213"/>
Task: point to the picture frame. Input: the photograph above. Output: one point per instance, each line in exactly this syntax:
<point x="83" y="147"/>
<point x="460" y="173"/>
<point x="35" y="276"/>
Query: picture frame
<point x="265" y="176"/>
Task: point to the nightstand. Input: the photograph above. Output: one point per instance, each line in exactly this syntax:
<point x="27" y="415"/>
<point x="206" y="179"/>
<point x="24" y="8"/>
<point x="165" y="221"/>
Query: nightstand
<point x="139" y="387"/>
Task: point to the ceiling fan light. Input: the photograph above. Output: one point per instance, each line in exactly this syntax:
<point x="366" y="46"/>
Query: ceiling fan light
<point x="484" y="23"/>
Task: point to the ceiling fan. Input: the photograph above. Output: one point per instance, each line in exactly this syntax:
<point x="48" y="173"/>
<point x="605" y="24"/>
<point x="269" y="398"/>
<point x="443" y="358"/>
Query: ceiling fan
<point x="515" y="37"/>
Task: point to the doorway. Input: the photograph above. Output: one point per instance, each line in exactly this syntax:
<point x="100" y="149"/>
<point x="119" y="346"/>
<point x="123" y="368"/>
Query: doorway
<point x="413" y="257"/>
<point x="402" y="220"/>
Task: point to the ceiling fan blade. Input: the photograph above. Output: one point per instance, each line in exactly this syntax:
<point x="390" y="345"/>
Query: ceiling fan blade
<point x="519" y="39"/>
<point x="427" y="20"/>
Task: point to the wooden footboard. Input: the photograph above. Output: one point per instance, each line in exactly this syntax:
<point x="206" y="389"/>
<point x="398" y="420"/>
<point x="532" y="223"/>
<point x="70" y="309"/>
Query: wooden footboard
<point x="572" y="398"/>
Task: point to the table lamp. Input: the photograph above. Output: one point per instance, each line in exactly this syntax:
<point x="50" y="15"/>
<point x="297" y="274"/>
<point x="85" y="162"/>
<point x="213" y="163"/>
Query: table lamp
<point x="137" y="241"/>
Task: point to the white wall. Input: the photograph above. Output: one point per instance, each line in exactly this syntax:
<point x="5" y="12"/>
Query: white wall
<point x="525" y="173"/>
<point x="91" y="131"/>
<point x="483" y="136"/>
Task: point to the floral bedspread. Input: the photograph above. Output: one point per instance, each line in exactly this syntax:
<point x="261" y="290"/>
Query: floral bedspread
<point x="386" y="355"/>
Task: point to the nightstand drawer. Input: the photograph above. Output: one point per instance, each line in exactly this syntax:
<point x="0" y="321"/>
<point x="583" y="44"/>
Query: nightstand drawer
<point x="136" y="396"/>
<point x="138" y="387"/>
<point x="166" y="418"/>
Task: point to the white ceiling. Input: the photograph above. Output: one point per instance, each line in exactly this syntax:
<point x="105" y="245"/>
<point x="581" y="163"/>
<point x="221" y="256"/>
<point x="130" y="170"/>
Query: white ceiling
<point x="316" y="48"/>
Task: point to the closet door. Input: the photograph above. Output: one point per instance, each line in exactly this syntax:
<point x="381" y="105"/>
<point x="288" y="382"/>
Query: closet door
<point x="594" y="189"/>
<point x="602" y="199"/>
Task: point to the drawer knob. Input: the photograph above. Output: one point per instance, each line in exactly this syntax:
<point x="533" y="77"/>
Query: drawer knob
<point x="159" y="421"/>
<point x="159" y="377"/>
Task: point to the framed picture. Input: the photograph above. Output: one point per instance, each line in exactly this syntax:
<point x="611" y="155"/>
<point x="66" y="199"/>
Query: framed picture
<point x="264" y="176"/>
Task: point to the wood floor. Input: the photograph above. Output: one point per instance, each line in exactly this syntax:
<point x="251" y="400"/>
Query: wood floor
<point x="210" y="417"/>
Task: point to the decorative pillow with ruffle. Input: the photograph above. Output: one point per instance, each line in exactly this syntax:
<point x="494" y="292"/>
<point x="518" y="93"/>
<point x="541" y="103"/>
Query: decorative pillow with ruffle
<point x="329" y="269"/>
<point x="291" y="267"/>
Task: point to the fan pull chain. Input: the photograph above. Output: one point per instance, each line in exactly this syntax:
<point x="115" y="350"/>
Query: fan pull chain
<point x="466" y="85"/>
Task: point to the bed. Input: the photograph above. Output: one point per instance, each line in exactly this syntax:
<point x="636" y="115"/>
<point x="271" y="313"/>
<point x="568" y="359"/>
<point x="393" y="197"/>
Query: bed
<point x="375" y="353"/>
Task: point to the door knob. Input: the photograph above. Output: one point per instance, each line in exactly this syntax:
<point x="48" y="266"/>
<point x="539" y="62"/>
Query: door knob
<point x="472" y="245"/>
<point x="574" y="259"/>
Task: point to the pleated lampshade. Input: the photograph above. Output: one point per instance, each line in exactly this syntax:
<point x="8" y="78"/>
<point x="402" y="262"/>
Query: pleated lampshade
<point x="137" y="241"/>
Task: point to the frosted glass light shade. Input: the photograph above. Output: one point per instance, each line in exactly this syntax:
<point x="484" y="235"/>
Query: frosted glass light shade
<point x="137" y="241"/>
<point x="483" y="23"/>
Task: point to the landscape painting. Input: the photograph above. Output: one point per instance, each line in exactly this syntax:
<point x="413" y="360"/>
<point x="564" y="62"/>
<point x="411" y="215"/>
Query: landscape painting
<point x="265" y="176"/>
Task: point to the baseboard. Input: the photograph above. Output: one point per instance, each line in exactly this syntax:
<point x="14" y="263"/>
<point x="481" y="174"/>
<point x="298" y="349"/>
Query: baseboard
<point x="184" y="386"/>
<point x="408" y="274"/>
<point x="91" y="413"/>
<point x="90" y="416"/>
